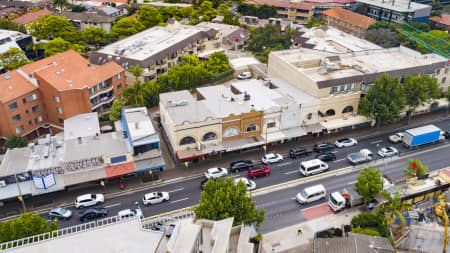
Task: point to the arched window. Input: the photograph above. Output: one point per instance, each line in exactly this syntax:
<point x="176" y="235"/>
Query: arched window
<point x="309" y="116"/>
<point x="231" y="131"/>
<point x="251" y="128"/>
<point x="330" y="112"/>
<point x="209" y="136"/>
<point x="187" y="140"/>
<point x="348" y="109"/>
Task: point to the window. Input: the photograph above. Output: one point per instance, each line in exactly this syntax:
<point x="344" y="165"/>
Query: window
<point x="187" y="140"/>
<point x="119" y="86"/>
<point x="30" y="122"/>
<point x="251" y="128"/>
<point x="231" y="131"/>
<point x="61" y="121"/>
<point x="333" y="90"/>
<point x="24" y="100"/>
<point x="19" y="129"/>
<point x="56" y="99"/>
<point x="35" y="108"/>
<point x="209" y="136"/>
<point x="443" y="80"/>
<point x="59" y="110"/>
<point x="91" y="90"/>
<point x="38" y="119"/>
<point x="13" y="106"/>
<point x="309" y="116"/>
<point x="343" y="88"/>
<point x="33" y="97"/>
<point x="16" y="118"/>
<point x="118" y="76"/>
<point x="271" y="124"/>
<point x="348" y="109"/>
<point x="330" y="112"/>
<point x="27" y="112"/>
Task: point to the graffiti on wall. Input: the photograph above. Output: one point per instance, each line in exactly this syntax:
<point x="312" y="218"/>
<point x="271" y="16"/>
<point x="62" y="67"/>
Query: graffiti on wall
<point x="73" y="166"/>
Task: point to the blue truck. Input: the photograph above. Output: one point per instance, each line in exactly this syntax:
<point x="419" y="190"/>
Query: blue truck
<point x="422" y="135"/>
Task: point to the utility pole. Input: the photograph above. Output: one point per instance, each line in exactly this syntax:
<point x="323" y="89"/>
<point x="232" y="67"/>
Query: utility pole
<point x="265" y="145"/>
<point x="20" y="194"/>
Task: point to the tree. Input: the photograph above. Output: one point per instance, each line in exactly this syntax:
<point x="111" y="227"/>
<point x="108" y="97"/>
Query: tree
<point x="95" y="36"/>
<point x="15" y="141"/>
<point x="420" y="90"/>
<point x="126" y="27"/>
<point x="116" y="110"/>
<point x="217" y="63"/>
<point x="207" y="11"/>
<point x="134" y="95"/>
<point x="384" y="101"/>
<point x="12" y="59"/>
<point x="9" y="25"/>
<point x="263" y="11"/>
<point x="59" y="4"/>
<point x="59" y="45"/>
<point x="415" y="168"/>
<point x="224" y="199"/>
<point x="170" y="12"/>
<point x="369" y="183"/>
<point x="392" y="208"/>
<point x="383" y="37"/>
<point x="136" y="70"/>
<point x="49" y="27"/>
<point x="28" y="224"/>
<point x="78" y="8"/>
<point x="149" y="16"/>
<point x="266" y="39"/>
<point x="186" y="11"/>
<point x="436" y="8"/>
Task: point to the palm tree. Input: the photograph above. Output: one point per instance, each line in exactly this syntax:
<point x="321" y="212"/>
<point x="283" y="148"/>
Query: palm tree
<point x="135" y="95"/>
<point x="392" y="208"/>
<point x="136" y="71"/>
<point x="60" y="4"/>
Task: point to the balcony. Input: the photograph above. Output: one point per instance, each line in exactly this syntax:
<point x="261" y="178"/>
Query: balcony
<point x="101" y="91"/>
<point x="102" y="101"/>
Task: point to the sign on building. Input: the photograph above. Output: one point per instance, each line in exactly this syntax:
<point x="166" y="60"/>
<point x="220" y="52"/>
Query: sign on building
<point x="44" y="182"/>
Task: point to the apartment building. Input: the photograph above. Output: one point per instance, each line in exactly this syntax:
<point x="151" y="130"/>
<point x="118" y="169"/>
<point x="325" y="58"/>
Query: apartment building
<point x="348" y="21"/>
<point x="339" y="80"/>
<point x="442" y="22"/>
<point x="83" y="20"/>
<point x="46" y="92"/>
<point x="159" y="48"/>
<point x="295" y="11"/>
<point x="398" y="12"/>
<point x="232" y="37"/>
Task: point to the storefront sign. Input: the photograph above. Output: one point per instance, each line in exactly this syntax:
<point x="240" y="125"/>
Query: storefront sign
<point x="69" y="167"/>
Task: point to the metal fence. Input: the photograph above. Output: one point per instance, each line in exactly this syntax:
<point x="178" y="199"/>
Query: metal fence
<point x="148" y="223"/>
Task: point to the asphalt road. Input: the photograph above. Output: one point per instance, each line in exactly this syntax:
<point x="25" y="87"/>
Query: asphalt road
<point x="281" y="207"/>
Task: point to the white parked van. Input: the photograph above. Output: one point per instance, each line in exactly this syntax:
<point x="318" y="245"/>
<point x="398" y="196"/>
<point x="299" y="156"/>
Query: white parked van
<point x="313" y="167"/>
<point x="311" y="194"/>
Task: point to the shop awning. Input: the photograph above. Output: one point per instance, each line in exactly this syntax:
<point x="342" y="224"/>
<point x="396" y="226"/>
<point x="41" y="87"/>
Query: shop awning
<point x="119" y="169"/>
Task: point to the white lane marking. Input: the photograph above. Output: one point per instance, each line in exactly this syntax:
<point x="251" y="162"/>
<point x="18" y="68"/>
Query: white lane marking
<point x="175" y="201"/>
<point x="375" y="142"/>
<point x="173" y="180"/>
<point x="334" y="152"/>
<point x="117" y="204"/>
<point x="293" y="198"/>
<point x="290" y="172"/>
<point x="354" y="182"/>
<point x="177" y="190"/>
<point x="340" y="160"/>
<point x="284" y="164"/>
<point x="237" y="175"/>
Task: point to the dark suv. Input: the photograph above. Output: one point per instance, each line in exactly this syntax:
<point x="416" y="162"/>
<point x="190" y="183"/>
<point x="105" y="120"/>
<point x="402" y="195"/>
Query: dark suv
<point x="296" y="152"/>
<point x="323" y="147"/>
<point x="240" y="165"/>
<point x="93" y="213"/>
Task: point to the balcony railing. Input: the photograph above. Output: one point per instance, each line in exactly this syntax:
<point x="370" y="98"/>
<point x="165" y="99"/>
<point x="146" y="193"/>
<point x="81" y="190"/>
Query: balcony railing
<point x="102" y="91"/>
<point x="102" y="101"/>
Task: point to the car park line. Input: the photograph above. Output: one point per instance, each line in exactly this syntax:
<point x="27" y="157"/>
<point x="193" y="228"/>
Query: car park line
<point x="176" y="190"/>
<point x="113" y="205"/>
<point x="179" y="200"/>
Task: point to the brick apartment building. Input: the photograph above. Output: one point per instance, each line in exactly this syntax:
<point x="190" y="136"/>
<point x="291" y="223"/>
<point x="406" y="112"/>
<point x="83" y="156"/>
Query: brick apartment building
<point x="348" y="21"/>
<point x="45" y="93"/>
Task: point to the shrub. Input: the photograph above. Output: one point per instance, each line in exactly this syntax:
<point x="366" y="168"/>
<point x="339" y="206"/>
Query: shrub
<point x="366" y="231"/>
<point x="374" y="221"/>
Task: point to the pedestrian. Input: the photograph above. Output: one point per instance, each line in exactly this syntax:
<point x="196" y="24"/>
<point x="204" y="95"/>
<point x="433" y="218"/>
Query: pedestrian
<point x="102" y="183"/>
<point x="299" y="231"/>
<point x="122" y="186"/>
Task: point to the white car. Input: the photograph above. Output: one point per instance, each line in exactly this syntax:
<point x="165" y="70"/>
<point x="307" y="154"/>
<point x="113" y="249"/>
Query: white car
<point x="244" y="75"/>
<point x="216" y="173"/>
<point x="155" y="198"/>
<point x="250" y="183"/>
<point x="130" y="214"/>
<point x="345" y="142"/>
<point x="89" y="200"/>
<point x="271" y="158"/>
<point x="388" y="152"/>
<point x="396" y="138"/>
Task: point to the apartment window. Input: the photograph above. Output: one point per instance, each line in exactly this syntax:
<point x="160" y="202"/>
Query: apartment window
<point x="271" y="124"/>
<point x="24" y="100"/>
<point x="61" y="121"/>
<point x="119" y="86"/>
<point x="91" y="90"/>
<point x="27" y="112"/>
<point x="343" y="88"/>
<point x="59" y="110"/>
<point x="35" y="108"/>
<point x="38" y="119"/>
<point x="118" y="76"/>
<point x="19" y="129"/>
<point x="33" y="97"/>
<point x="30" y="122"/>
<point x="16" y="118"/>
<point x="309" y="116"/>
<point x="251" y="128"/>
<point x="56" y="99"/>
<point x="13" y="106"/>
<point x="443" y="80"/>
<point x="333" y="90"/>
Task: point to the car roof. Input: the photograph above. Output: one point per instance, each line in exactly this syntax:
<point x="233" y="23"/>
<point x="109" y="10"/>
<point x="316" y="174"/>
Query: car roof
<point x="337" y="196"/>
<point x="124" y="212"/>
<point x="244" y="179"/>
<point x="213" y="169"/>
<point x="85" y="196"/>
<point x="151" y="194"/>
<point x="56" y="209"/>
<point x="313" y="162"/>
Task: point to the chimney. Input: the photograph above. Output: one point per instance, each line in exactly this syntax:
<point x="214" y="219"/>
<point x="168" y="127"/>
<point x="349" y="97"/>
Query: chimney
<point x="172" y="25"/>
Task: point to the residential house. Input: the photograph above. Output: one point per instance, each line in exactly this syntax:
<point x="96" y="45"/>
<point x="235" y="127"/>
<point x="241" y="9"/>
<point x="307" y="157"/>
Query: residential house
<point x="83" y="20"/>
<point x="298" y="12"/>
<point x="442" y="22"/>
<point x="232" y="37"/>
<point x="348" y="21"/>
<point x="28" y="18"/>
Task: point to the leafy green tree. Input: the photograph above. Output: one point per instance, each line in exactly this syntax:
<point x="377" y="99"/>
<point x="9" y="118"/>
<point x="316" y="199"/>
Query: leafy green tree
<point x="126" y="27"/>
<point x="224" y="199"/>
<point x="28" y="224"/>
<point x="436" y="8"/>
<point x="78" y="8"/>
<point x="384" y="101"/>
<point x="207" y="11"/>
<point x="135" y="95"/>
<point x="59" y="4"/>
<point x="136" y="71"/>
<point x="217" y="63"/>
<point x="12" y="59"/>
<point x="415" y="168"/>
<point x="9" y="25"/>
<point x="15" y="141"/>
<point x="116" y="110"/>
<point x="59" y="45"/>
<point x="186" y="11"/>
<point x="263" y="11"/>
<point x="369" y="183"/>
<point x="392" y="208"/>
<point x="420" y="90"/>
<point x="149" y="16"/>
<point x="313" y="22"/>
<point x="95" y="36"/>
<point x="49" y="27"/>
<point x="266" y="39"/>
<point x="170" y="12"/>
<point x="152" y="90"/>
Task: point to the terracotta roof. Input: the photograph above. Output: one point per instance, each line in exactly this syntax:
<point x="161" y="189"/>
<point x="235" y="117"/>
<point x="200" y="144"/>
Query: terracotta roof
<point x="69" y="70"/>
<point x="444" y="19"/>
<point x="330" y="1"/>
<point x="30" y="17"/>
<point x="120" y="169"/>
<point x="350" y="17"/>
<point x="284" y="4"/>
<point x="14" y="85"/>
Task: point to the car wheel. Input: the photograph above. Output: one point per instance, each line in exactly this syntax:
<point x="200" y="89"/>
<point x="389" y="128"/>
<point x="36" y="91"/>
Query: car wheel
<point x="334" y="159"/>
<point x="165" y="200"/>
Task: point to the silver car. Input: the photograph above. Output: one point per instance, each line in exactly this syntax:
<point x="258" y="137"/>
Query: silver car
<point x="388" y="152"/>
<point x="60" y="213"/>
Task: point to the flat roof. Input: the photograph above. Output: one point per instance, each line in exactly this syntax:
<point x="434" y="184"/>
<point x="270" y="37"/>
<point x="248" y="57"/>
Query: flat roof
<point x="82" y="125"/>
<point x="139" y="124"/>
<point x="15" y="161"/>
<point x="222" y="29"/>
<point x="184" y="240"/>
<point x="423" y="129"/>
<point x="397" y="5"/>
<point x="8" y="39"/>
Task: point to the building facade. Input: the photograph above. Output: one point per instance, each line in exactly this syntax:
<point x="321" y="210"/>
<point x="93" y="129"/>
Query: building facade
<point x="294" y="11"/>
<point x="83" y="20"/>
<point x="348" y="21"/>
<point x="398" y="12"/>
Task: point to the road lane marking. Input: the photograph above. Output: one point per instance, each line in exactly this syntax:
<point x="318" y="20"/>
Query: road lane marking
<point x="177" y="190"/>
<point x="290" y="172"/>
<point x="375" y="142"/>
<point x="335" y="161"/>
<point x="334" y="152"/>
<point x="113" y="205"/>
<point x="351" y="183"/>
<point x="285" y="164"/>
<point x="294" y="198"/>
<point x="175" y="201"/>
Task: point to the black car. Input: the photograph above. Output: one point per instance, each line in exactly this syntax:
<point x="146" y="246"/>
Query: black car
<point x="93" y="213"/>
<point x="297" y="151"/>
<point x="158" y="226"/>
<point x="321" y="147"/>
<point x="240" y="165"/>
<point x="447" y="134"/>
<point x="326" y="157"/>
<point x="170" y="230"/>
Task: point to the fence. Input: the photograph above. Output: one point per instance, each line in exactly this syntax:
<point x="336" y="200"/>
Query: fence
<point x="224" y="76"/>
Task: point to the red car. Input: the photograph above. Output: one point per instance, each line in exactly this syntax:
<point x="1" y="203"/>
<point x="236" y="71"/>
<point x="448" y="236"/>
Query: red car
<point x="258" y="172"/>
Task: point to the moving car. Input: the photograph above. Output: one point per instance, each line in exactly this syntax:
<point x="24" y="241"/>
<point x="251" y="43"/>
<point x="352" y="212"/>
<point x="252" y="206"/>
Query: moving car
<point x="216" y="172"/>
<point x="388" y="152"/>
<point x="311" y="167"/>
<point x="60" y="213"/>
<point x="271" y="158"/>
<point x="321" y="147"/>
<point x="298" y="151"/>
<point x="326" y="157"/>
<point x="396" y="138"/>
<point x="155" y="198"/>
<point x="311" y="194"/>
<point x="93" y="213"/>
<point x="447" y="134"/>
<point x="345" y="142"/>
<point x="364" y="155"/>
<point x="130" y="214"/>
<point x="89" y="200"/>
<point x="258" y="172"/>
<point x="240" y="165"/>
<point x="249" y="183"/>
<point x="206" y="181"/>
<point x="244" y="75"/>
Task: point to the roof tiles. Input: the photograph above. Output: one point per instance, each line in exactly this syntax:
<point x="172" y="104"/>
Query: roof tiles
<point x="30" y="17"/>
<point x="14" y="85"/>
<point x="350" y="17"/>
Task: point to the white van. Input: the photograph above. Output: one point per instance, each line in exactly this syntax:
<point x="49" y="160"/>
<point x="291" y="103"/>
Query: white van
<point x="311" y="194"/>
<point x="313" y="167"/>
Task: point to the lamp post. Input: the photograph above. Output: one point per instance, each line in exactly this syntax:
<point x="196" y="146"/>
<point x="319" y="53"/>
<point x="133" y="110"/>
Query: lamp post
<point x="265" y="145"/>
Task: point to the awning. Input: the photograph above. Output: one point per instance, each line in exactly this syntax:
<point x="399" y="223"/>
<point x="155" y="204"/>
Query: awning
<point x="119" y="169"/>
<point x="12" y="191"/>
<point x="155" y="163"/>
<point x="344" y="122"/>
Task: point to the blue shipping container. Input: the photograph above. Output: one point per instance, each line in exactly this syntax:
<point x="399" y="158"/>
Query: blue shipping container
<point x="421" y="135"/>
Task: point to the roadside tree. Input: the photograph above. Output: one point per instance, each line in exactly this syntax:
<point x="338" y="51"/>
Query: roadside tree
<point x="369" y="183"/>
<point x="15" y="141"/>
<point x="28" y="224"/>
<point x="126" y="27"/>
<point x="13" y="58"/>
<point x="415" y="168"/>
<point x="59" y="45"/>
<point x="420" y="90"/>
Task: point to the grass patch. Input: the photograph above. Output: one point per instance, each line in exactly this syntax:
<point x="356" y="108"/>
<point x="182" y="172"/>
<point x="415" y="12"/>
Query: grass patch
<point x="366" y="231"/>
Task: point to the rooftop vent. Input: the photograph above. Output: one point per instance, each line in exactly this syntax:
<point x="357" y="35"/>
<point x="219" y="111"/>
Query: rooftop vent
<point x="7" y="77"/>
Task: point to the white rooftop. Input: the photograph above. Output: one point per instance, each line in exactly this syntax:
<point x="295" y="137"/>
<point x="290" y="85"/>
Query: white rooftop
<point x="8" y="40"/>
<point x="138" y="123"/>
<point x="82" y="125"/>
<point x="223" y="29"/>
<point x="397" y="5"/>
<point x="162" y="4"/>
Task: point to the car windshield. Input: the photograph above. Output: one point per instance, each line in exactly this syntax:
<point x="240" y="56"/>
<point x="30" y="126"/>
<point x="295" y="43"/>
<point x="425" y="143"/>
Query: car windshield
<point x="334" y="201"/>
<point x="304" y="195"/>
<point x="159" y="194"/>
<point x="60" y="210"/>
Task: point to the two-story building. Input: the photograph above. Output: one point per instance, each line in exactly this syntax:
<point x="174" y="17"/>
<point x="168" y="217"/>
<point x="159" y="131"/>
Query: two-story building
<point x="348" y="21"/>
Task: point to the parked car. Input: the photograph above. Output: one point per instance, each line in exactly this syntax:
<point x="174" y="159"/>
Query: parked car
<point x="155" y="198"/>
<point x="87" y="200"/>
<point x="396" y="138"/>
<point x="258" y="172"/>
<point x="158" y="226"/>
<point x="244" y="75"/>
<point x="170" y="230"/>
<point x="240" y="165"/>
<point x="60" y="213"/>
<point x="326" y="157"/>
<point x="388" y="152"/>
<point x="130" y="214"/>
<point x="447" y="134"/>
<point x="321" y="147"/>
<point x="298" y="152"/>
<point x="93" y="213"/>
<point x="249" y="183"/>
<point x="345" y="142"/>
<point x="271" y="158"/>
<point x="216" y="172"/>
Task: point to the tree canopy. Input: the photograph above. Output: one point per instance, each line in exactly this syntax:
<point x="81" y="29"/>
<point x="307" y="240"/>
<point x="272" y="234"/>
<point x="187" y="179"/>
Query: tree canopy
<point x="224" y="199"/>
<point x="217" y="63"/>
<point x="15" y="141"/>
<point x="170" y="12"/>
<point x="9" y="25"/>
<point x="116" y="110"/>
<point x="13" y="58"/>
<point x="415" y="168"/>
<point x="268" y="38"/>
<point x="126" y="27"/>
<point x="420" y="90"/>
<point x="49" y="27"/>
<point x="95" y="36"/>
<point x="59" y="45"/>
<point x="369" y="183"/>
<point x="263" y="11"/>
<point x="28" y="224"/>
<point x="392" y="208"/>
<point x="149" y="16"/>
